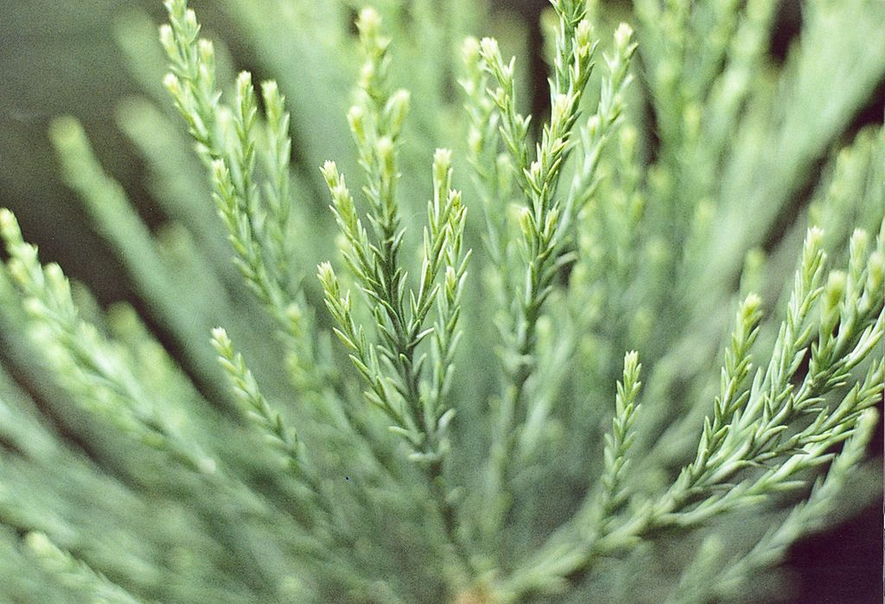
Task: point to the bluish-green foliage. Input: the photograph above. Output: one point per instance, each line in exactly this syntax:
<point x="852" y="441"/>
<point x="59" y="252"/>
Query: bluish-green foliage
<point x="629" y="351"/>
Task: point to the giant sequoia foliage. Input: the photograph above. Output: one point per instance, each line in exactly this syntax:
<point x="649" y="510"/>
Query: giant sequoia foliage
<point x="628" y="350"/>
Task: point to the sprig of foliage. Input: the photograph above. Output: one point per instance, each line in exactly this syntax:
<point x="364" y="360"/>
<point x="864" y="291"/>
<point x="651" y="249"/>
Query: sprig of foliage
<point x="256" y="217"/>
<point x="544" y="223"/>
<point x="391" y="366"/>
<point x="748" y="434"/>
<point x="76" y="574"/>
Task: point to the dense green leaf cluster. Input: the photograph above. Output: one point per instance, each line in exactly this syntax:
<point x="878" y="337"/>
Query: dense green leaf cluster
<point x="431" y="393"/>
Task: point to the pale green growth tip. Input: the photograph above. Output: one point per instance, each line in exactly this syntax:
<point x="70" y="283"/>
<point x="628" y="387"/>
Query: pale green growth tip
<point x="593" y="123"/>
<point x="220" y="340"/>
<point x="66" y="131"/>
<point x="442" y="163"/>
<point x="876" y="273"/>
<point x="561" y="107"/>
<point x="327" y="276"/>
<point x="623" y="37"/>
<point x="40" y="544"/>
<point x="219" y="171"/>
<point x="329" y="171"/>
<point x="398" y="108"/>
<point x="836" y="284"/>
<point x="750" y="307"/>
<point x="386" y="153"/>
<point x="207" y="51"/>
<point x="470" y="52"/>
<point x="173" y="85"/>
<point x="489" y="49"/>
<point x="369" y="21"/>
<point x="244" y="82"/>
<point x="584" y="37"/>
<point x="356" y="119"/>
<point x="368" y="24"/>
<point x="336" y="184"/>
<point x="271" y="92"/>
<point x="270" y="87"/>
<point x="167" y="38"/>
<point x="631" y="366"/>
<point x="524" y="217"/>
<point x="814" y="238"/>
<point x="188" y="19"/>
<point x="859" y="240"/>
<point x="9" y="226"/>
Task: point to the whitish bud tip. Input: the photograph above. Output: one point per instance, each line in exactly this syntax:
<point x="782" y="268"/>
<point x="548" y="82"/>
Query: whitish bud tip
<point x="584" y="33"/>
<point x="623" y="35"/>
<point x="218" y="167"/>
<point x="752" y="302"/>
<point x="470" y="49"/>
<point x="561" y="103"/>
<point x="384" y="146"/>
<point x="401" y="96"/>
<point x="836" y="284"/>
<point x="859" y="238"/>
<point x="442" y="157"/>
<point x="369" y="21"/>
<point x="170" y="81"/>
<point x="190" y="18"/>
<point x="270" y="88"/>
<point x="398" y="107"/>
<point x="489" y="47"/>
<point x="39" y="543"/>
<point x="7" y="220"/>
<point x="326" y="275"/>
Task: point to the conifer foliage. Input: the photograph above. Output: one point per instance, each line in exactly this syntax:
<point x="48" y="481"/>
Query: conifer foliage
<point x="627" y="351"/>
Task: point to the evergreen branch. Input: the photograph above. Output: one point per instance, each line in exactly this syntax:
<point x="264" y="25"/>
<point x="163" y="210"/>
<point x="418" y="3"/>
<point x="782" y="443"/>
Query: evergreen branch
<point x="277" y="159"/>
<point x="596" y="132"/>
<point x="75" y="574"/>
<point x="390" y="367"/>
<point x="82" y="357"/>
<point x="542" y="224"/>
<point x="261" y="255"/>
<point x="363" y="354"/>
<point x="706" y="578"/>
<point x="807" y="516"/>
<point x="483" y="139"/>
<point x="640" y="251"/>
<point x="750" y="434"/>
<point x="260" y="412"/>
<point x="754" y="433"/>
<point x="620" y="439"/>
<point x="375" y="123"/>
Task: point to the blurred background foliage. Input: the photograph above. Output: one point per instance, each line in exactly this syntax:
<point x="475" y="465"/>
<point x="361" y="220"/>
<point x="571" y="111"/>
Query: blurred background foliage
<point x="79" y="58"/>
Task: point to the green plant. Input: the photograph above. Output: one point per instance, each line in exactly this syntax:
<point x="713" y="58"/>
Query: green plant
<point x="447" y="413"/>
